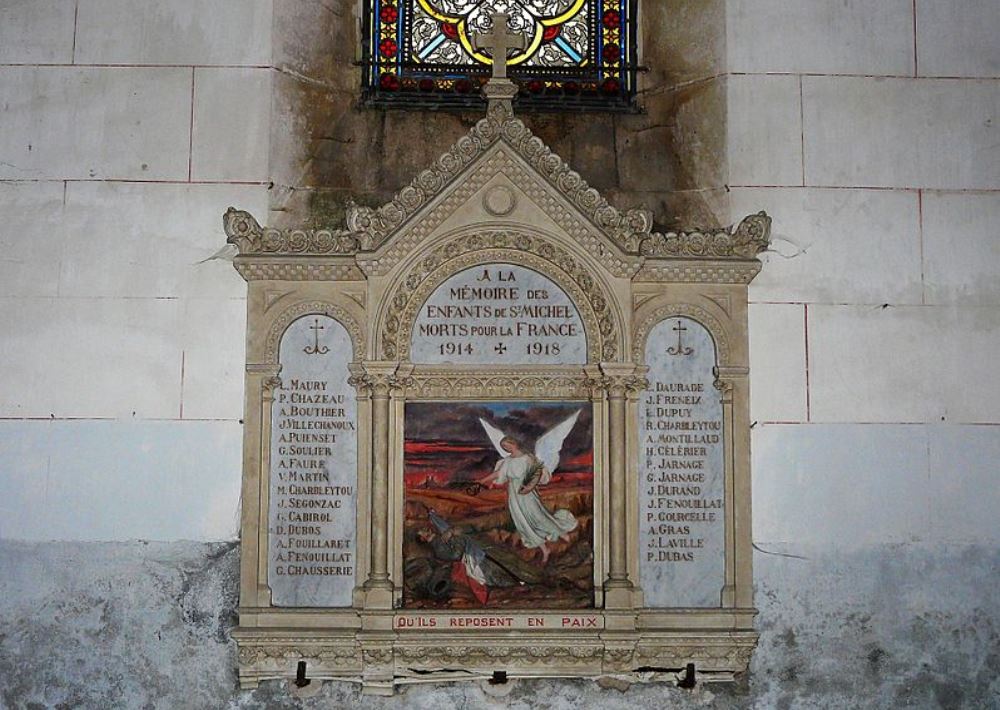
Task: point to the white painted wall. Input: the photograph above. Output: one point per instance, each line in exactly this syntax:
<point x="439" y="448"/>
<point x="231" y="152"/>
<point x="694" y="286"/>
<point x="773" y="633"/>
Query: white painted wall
<point x="126" y="129"/>
<point x="870" y="134"/>
<point x="870" y="131"/>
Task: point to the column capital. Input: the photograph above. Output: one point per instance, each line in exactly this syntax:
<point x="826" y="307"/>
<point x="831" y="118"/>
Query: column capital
<point x="594" y="381"/>
<point x="265" y="368"/>
<point x="381" y="377"/>
<point x="358" y="379"/>
<point x="622" y="379"/>
<point x="268" y="374"/>
<point x="728" y="372"/>
<point x="725" y="388"/>
<point x="726" y="378"/>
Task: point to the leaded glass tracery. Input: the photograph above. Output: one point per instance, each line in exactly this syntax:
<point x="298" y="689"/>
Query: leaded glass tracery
<point x="574" y="53"/>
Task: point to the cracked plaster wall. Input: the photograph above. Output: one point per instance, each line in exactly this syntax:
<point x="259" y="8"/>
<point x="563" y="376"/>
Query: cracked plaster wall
<point x="145" y="625"/>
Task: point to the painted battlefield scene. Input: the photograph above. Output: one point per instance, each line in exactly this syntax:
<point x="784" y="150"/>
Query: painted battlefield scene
<point x="499" y="500"/>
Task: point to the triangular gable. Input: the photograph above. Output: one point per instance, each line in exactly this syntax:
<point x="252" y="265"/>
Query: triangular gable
<point x="499" y="144"/>
<point x="498" y="150"/>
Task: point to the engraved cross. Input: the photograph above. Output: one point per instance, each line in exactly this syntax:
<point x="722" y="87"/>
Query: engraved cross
<point x="316" y="349"/>
<point x="680" y="349"/>
<point x="499" y="42"/>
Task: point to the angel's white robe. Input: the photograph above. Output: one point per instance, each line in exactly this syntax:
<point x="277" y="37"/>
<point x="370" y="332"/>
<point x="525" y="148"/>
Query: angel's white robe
<point x="534" y="523"/>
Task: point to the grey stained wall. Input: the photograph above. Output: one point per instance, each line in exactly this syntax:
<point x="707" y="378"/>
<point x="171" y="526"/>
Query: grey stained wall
<point x="144" y="625"/>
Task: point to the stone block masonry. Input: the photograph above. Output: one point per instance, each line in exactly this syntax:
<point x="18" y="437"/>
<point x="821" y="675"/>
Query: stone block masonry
<point x="126" y="129"/>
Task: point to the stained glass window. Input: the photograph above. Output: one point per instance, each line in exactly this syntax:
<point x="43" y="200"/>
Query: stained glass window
<point x="571" y="53"/>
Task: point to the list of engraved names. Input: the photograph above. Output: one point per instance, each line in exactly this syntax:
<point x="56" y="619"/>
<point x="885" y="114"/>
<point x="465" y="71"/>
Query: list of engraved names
<point x="313" y="469"/>
<point x="681" y="465"/>
<point x="676" y="450"/>
<point x="308" y="498"/>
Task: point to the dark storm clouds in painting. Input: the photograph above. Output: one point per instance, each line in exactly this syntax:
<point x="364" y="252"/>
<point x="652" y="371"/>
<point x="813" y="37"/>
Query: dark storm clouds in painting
<point x="458" y="423"/>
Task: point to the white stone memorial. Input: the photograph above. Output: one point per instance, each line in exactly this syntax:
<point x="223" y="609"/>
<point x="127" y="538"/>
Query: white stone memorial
<point x="496" y="424"/>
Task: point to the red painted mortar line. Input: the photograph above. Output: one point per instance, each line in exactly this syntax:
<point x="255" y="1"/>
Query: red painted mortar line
<point x="76" y="14"/>
<point x="653" y="90"/>
<point x="758" y="423"/>
<point x="846" y="75"/>
<point x="762" y="422"/>
<point x="183" y="356"/>
<point x="957" y="190"/>
<point x="116" y="419"/>
<point x="76" y="65"/>
<point x="130" y="181"/>
<point x="236" y="299"/>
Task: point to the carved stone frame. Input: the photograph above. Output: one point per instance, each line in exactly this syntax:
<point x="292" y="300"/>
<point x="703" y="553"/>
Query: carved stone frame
<point x="470" y="248"/>
<point x="372" y="277"/>
<point x="263" y="378"/>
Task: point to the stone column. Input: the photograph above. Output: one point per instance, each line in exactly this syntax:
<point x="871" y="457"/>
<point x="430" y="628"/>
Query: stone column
<point x="733" y="385"/>
<point x="381" y="378"/>
<point x="363" y="563"/>
<point x="633" y="393"/>
<point x="618" y="380"/>
<point x="254" y="591"/>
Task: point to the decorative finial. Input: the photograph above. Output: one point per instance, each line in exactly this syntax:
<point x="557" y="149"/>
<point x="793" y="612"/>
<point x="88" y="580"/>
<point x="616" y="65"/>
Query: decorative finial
<point x="499" y="41"/>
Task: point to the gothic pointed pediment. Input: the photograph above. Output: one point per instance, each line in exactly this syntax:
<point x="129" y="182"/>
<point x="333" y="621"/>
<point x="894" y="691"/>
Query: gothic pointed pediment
<point x="500" y="144"/>
<point x="500" y="154"/>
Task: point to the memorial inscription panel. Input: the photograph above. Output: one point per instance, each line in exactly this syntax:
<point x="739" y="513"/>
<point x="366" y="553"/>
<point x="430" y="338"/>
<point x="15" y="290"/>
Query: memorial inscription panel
<point x="500" y="314"/>
<point x="311" y="555"/>
<point x="682" y="470"/>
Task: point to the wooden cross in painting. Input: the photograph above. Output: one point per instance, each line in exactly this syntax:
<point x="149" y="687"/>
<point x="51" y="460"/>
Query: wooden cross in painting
<point x="499" y="41"/>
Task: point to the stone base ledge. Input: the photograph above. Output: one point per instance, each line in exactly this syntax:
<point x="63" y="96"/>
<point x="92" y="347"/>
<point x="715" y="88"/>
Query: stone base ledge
<point x="383" y="660"/>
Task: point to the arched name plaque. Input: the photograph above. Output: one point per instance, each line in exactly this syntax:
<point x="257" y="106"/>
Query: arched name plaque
<point x="681" y="469"/>
<point x="314" y="465"/>
<point x="493" y="439"/>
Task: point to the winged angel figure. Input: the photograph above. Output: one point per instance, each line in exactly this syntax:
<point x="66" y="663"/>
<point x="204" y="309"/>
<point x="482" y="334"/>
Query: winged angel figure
<point x="523" y="472"/>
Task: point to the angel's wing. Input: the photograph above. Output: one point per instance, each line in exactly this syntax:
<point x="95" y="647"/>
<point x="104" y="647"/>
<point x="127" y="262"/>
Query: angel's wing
<point x="495" y="436"/>
<point x="549" y="445"/>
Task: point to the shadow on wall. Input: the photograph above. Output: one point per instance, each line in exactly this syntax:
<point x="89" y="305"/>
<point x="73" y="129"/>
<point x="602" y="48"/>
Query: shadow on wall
<point x="327" y="150"/>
